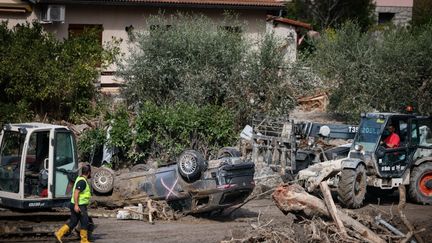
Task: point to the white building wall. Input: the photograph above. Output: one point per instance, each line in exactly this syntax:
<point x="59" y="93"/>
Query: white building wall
<point x="288" y="38"/>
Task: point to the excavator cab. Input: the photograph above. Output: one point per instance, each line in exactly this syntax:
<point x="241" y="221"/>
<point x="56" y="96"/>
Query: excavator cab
<point x="38" y="164"/>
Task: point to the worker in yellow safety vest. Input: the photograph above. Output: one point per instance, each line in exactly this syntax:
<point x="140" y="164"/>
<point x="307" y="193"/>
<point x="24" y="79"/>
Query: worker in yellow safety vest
<point x="81" y="194"/>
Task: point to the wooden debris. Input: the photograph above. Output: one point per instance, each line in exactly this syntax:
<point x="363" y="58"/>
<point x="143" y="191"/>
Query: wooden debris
<point x="332" y="208"/>
<point x="401" y="206"/>
<point x="316" y="102"/>
<point x="151" y="211"/>
<point x="294" y="199"/>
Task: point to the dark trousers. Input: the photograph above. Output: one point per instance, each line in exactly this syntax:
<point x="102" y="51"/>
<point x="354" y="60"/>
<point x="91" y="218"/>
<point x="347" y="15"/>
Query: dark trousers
<point x="81" y="217"/>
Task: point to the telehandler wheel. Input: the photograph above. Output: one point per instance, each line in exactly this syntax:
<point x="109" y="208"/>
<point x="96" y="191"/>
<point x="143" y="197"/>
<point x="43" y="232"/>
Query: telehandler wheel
<point x="420" y="187"/>
<point x="352" y="187"/>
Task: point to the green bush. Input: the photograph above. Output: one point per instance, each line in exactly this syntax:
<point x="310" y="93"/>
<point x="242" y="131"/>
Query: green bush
<point x="121" y="132"/>
<point x="192" y="59"/>
<point x="43" y="76"/>
<point x="332" y="13"/>
<point x="165" y="131"/>
<point x="90" y="144"/>
<point x="375" y="71"/>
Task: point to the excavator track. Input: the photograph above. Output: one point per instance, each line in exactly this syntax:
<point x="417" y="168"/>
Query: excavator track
<point x="39" y="226"/>
<point x="30" y="226"/>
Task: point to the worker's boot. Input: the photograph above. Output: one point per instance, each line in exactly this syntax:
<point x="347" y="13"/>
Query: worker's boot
<point x="90" y="236"/>
<point x="84" y="236"/>
<point x="61" y="232"/>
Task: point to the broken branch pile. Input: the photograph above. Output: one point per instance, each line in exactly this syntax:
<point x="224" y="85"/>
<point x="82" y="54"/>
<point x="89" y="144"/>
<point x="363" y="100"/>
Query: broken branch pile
<point x="349" y="225"/>
<point x="311" y="219"/>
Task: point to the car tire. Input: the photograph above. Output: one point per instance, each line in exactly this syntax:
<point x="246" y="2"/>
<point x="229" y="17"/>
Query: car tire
<point x="103" y="180"/>
<point x="190" y="165"/>
<point x="352" y="187"/>
<point x="227" y="152"/>
<point x="420" y="187"/>
<point x="140" y="168"/>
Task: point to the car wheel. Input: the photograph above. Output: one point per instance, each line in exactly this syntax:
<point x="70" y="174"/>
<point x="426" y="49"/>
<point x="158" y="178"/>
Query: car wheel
<point x="190" y="165"/>
<point x="420" y="187"/>
<point x="140" y="168"/>
<point x="227" y="152"/>
<point x="103" y="180"/>
<point x="352" y="187"/>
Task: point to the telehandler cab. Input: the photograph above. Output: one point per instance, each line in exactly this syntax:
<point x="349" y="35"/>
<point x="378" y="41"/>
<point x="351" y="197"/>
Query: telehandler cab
<point x="371" y="164"/>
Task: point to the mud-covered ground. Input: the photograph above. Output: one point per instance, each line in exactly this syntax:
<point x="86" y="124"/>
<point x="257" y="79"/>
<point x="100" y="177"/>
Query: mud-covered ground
<point x="193" y="229"/>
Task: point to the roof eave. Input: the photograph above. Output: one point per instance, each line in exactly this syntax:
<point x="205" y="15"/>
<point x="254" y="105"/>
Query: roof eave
<point x="276" y="6"/>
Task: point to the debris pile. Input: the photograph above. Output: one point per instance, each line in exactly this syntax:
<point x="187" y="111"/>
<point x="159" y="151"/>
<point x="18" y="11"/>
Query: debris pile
<point x="146" y="209"/>
<point x="152" y="210"/>
<point x="316" y="102"/>
<point x="134" y="203"/>
<point x="265" y="178"/>
<point x="309" y="218"/>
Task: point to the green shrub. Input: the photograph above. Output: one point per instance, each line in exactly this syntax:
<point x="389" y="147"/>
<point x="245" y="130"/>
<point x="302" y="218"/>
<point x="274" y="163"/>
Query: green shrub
<point x="121" y="136"/>
<point x="165" y="131"/>
<point x="375" y="71"/>
<point x="90" y="144"/>
<point x="192" y="59"/>
<point x="48" y="77"/>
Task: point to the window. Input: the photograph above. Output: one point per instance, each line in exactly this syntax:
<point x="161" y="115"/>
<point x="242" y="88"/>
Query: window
<point x="64" y="160"/>
<point x="425" y="130"/>
<point x="78" y="29"/>
<point x="403" y="132"/>
<point x="11" y="150"/>
<point x="36" y="177"/>
<point x="385" y="18"/>
<point x="64" y="153"/>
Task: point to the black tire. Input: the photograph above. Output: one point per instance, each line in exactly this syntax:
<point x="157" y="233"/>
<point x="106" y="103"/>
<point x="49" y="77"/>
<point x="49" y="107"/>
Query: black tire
<point x="190" y="165"/>
<point x="103" y="180"/>
<point x="352" y="187"/>
<point x="227" y="152"/>
<point x="140" y="168"/>
<point x="420" y="187"/>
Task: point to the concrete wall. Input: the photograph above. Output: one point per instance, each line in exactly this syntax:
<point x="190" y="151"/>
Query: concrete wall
<point x="288" y="37"/>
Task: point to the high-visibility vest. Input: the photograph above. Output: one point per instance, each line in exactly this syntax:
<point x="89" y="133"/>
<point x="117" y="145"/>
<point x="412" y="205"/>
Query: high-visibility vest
<point x="84" y="196"/>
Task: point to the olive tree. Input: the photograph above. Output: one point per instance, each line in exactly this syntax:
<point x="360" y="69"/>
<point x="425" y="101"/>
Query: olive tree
<point x="382" y="70"/>
<point x="192" y="59"/>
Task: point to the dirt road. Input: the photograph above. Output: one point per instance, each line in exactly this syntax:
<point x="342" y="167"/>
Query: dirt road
<point x="191" y="229"/>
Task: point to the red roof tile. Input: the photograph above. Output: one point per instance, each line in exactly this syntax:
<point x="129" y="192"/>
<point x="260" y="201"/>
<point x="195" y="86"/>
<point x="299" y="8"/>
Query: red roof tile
<point x="289" y="21"/>
<point x="252" y="3"/>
